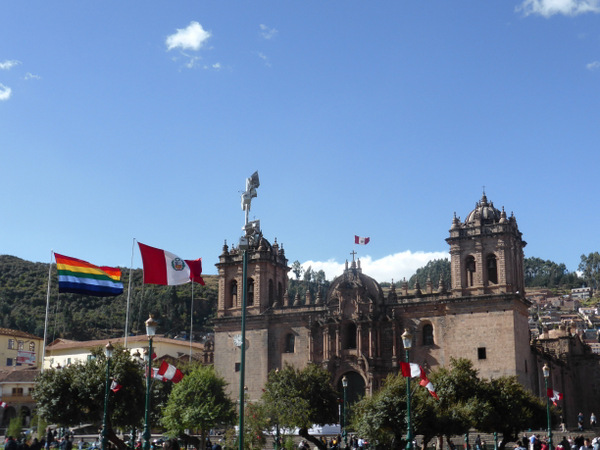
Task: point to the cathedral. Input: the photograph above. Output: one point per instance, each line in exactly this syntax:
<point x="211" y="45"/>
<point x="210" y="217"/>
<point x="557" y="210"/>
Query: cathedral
<point x="354" y="329"/>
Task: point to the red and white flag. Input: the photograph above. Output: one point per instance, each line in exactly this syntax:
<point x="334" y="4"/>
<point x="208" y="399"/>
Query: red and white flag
<point x="155" y="374"/>
<point x="165" y="268"/>
<point x="361" y="240"/>
<point x="411" y="370"/>
<point x="428" y="385"/>
<point x="2" y="404"/>
<point x="115" y="386"/>
<point x="169" y="372"/>
<point x="554" y="395"/>
<point x="414" y="370"/>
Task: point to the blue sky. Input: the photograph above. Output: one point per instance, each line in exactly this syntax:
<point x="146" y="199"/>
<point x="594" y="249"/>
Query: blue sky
<point x="142" y="120"/>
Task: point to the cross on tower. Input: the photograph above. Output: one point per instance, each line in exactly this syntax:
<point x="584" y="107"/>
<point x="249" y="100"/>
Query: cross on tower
<point x="353" y="253"/>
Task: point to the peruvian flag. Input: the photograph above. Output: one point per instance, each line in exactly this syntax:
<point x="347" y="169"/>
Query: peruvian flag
<point x="115" y="386"/>
<point x="2" y="404"/>
<point x="411" y="370"/>
<point x="169" y="372"/>
<point x="361" y="240"/>
<point x="554" y="395"/>
<point x="165" y="268"/>
<point x="428" y="385"/>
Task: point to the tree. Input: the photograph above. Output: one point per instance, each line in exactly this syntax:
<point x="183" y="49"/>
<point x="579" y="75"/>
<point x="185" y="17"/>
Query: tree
<point x="198" y="402"/>
<point x="590" y="268"/>
<point x="301" y="398"/>
<point x="542" y="273"/>
<point x="458" y="388"/>
<point x="297" y="269"/>
<point x="381" y="417"/>
<point x="508" y="408"/>
<point x="15" y="426"/>
<point x="75" y="394"/>
<point x="434" y="270"/>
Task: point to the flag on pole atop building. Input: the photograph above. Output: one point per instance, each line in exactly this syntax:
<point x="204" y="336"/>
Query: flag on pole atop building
<point x="361" y="240"/>
<point x="554" y="395"/>
<point x="81" y="277"/>
<point x="165" y="268"/>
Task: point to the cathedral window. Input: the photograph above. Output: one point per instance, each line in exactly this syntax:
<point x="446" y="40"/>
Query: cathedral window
<point x="280" y="292"/>
<point x="250" y="297"/>
<point x="271" y="293"/>
<point x="481" y="353"/>
<point x="492" y="268"/>
<point x="428" y="334"/>
<point x="290" y="343"/>
<point x="233" y="295"/>
<point x="470" y="271"/>
<point x="350" y="337"/>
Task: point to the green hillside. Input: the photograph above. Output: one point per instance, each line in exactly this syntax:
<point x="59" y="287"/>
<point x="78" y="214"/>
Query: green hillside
<point x="23" y="293"/>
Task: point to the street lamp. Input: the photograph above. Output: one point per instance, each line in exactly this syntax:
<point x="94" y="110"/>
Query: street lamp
<point x="407" y="342"/>
<point x="344" y="433"/>
<point x="546" y="371"/>
<point x="108" y="351"/>
<point x="251" y="233"/>
<point x="150" y="332"/>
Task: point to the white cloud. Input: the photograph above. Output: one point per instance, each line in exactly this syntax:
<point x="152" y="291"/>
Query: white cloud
<point x="397" y="266"/>
<point x="190" y="38"/>
<point x="30" y="76"/>
<point x="5" y="92"/>
<point x="264" y="58"/>
<point x="9" y="64"/>
<point x="595" y="65"/>
<point x="216" y="66"/>
<point x="266" y="32"/>
<point x="548" y="8"/>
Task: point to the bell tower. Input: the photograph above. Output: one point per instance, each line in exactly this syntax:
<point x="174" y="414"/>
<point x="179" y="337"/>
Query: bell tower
<point x="486" y="252"/>
<point x="267" y="278"/>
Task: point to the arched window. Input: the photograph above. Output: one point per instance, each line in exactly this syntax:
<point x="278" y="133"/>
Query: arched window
<point x="428" y="334"/>
<point x="280" y="293"/>
<point x="290" y="343"/>
<point x="250" y="297"/>
<point x="350" y="336"/>
<point x="32" y="346"/>
<point x="470" y="271"/>
<point x="492" y="268"/>
<point x="232" y="295"/>
<point x="271" y="293"/>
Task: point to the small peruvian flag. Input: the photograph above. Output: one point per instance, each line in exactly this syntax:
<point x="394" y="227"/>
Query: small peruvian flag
<point x="361" y="240"/>
<point x="411" y="370"/>
<point x="554" y="395"/>
<point x="169" y="372"/>
<point x="429" y="385"/>
<point x="115" y="386"/>
<point x="2" y="404"/>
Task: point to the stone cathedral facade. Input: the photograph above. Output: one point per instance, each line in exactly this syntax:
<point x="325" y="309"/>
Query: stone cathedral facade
<point x="354" y="329"/>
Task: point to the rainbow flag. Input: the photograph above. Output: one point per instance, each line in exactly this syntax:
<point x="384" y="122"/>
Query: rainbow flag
<point x="81" y="277"/>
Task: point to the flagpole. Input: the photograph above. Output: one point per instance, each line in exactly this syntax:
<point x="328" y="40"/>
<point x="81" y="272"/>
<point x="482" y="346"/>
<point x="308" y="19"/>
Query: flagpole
<point x="128" y="295"/>
<point x="47" y="309"/>
<point x="191" y="321"/>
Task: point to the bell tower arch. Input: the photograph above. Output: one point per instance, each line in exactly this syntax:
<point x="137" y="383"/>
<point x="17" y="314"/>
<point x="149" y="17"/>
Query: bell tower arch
<point x="486" y="252"/>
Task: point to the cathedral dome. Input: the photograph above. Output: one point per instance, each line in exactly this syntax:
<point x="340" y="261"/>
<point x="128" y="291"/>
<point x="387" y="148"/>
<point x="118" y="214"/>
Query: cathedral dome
<point x="484" y="212"/>
<point x="354" y="280"/>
